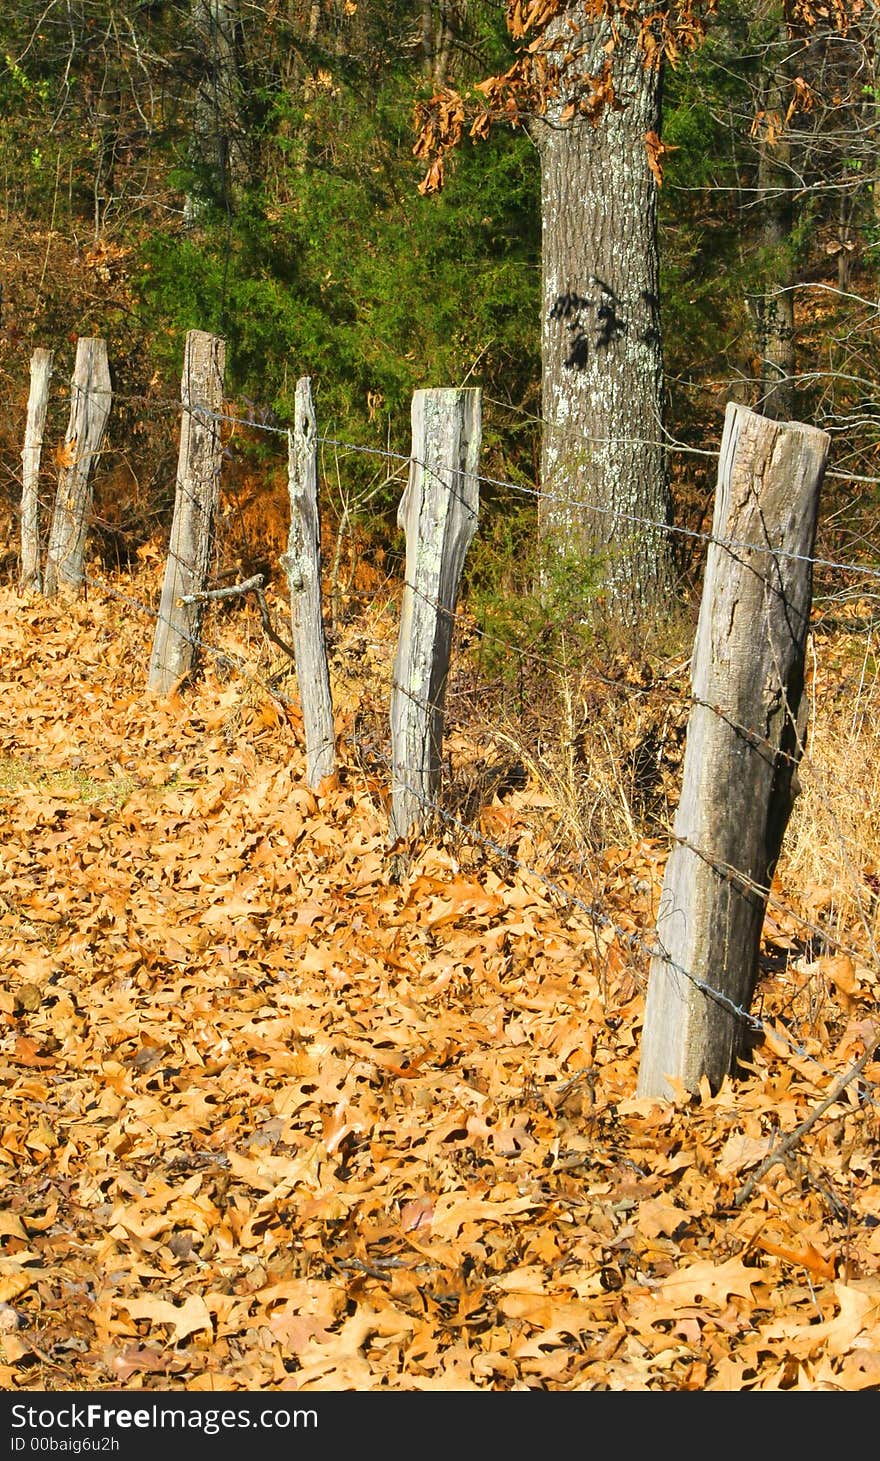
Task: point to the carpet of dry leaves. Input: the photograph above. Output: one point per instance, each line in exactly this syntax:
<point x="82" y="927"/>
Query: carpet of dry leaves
<point x="279" y="1115"/>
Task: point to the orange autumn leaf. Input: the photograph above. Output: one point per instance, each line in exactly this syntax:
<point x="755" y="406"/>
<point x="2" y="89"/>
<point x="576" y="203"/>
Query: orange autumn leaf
<point x="65" y="454"/>
<point x="807" y="1257"/>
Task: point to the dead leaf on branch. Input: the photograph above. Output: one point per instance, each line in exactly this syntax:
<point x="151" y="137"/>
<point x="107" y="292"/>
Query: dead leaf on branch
<point x="656" y="151"/>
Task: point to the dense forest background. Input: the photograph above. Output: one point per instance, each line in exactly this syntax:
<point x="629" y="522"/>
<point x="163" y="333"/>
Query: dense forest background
<point x="250" y="170"/>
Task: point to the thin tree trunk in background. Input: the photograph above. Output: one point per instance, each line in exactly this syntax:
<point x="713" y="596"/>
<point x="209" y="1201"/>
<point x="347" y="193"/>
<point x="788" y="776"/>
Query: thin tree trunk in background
<point x="774" y="308"/>
<point x="38" y="403"/>
<point x="438" y="514"/>
<point x="443" y="42"/>
<point x="745" y="739"/>
<point x="175" y="642"/>
<point x="219" y="142"/>
<point x="426" y="41"/>
<point x="604" y="483"/>
<point x="89" y="409"/>
<point x="302" y="565"/>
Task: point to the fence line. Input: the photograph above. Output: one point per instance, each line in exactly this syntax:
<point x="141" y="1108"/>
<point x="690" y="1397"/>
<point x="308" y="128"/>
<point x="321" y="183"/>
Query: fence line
<point x="628" y="938"/>
<point x="536" y="493"/>
<point x="235" y="662"/>
<point x="865" y="1093"/>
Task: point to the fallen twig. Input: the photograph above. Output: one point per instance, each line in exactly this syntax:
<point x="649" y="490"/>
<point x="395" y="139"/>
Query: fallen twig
<point x="780" y="1152"/>
<point x="250" y="586"/>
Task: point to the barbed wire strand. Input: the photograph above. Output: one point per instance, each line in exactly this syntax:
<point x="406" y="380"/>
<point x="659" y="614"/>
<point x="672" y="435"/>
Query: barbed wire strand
<point x="571" y="502"/>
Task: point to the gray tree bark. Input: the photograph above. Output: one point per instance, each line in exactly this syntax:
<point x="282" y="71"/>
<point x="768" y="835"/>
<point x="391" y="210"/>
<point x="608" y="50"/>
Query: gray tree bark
<point x="30" y="579"/>
<point x="178" y="626"/>
<point x="89" y="409"/>
<point x="219" y="145"/>
<point x="302" y="565"/>
<point x="438" y="513"/>
<point x="774" y="308"/>
<point x="745" y="739"/>
<point x="603" y="464"/>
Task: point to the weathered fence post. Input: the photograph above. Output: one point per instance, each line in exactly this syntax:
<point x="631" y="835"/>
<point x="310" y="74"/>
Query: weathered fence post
<point x="89" y="409"/>
<point x="438" y="513"/>
<point x="30" y="579"/>
<point x="302" y="566"/>
<point x="745" y="738"/>
<point x="179" y="623"/>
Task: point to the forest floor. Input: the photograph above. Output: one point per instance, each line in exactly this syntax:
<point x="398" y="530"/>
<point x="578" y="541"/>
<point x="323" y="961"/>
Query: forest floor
<point x="281" y="1111"/>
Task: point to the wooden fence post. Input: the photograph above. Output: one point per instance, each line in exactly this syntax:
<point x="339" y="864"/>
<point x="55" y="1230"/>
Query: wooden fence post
<point x="438" y="513"/>
<point x="745" y="738"/>
<point x="30" y="579"/>
<point x="175" y="641"/>
<point x="302" y="566"/>
<point x="89" y="409"/>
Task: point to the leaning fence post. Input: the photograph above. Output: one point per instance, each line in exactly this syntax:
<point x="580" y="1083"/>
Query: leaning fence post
<point x="175" y="641"/>
<point x="745" y="738"/>
<point x="438" y="514"/>
<point x="89" y="409"/>
<point x="38" y="402"/>
<point x="302" y="565"/>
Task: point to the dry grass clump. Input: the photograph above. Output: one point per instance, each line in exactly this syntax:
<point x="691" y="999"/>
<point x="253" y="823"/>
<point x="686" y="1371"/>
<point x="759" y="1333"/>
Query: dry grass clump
<point x="830" y="865"/>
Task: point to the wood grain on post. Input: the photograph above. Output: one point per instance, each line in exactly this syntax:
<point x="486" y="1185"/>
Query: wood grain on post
<point x="30" y="580"/>
<point x="745" y="738"/>
<point x="438" y="513"/>
<point x="176" y="640"/>
<point x="89" y="409"/>
<point x="302" y="566"/>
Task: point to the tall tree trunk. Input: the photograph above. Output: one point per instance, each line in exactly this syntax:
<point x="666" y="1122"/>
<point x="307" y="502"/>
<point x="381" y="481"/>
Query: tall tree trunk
<point x="219" y="146"/>
<point x="443" y="42"/>
<point x="603" y="464"/>
<point x="774" y="307"/>
<point x="426" y="39"/>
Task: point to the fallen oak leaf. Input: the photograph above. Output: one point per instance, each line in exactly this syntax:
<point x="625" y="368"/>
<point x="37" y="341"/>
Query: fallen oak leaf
<point x="453" y="1210"/>
<point x="741" y="1151"/>
<point x="189" y="1318"/>
<point x="557" y="1319"/>
<point x="25" y="1053"/>
<point x="713" y="1283"/>
<point x="138" y="1359"/>
<point x="418" y="1213"/>
<point x="15" y="1281"/>
<point x="11" y="1226"/>
<point x="658" y="1215"/>
<point x="299" y="1333"/>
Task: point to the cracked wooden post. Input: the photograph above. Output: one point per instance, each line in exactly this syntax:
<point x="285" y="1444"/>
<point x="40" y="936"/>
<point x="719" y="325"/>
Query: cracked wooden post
<point x="302" y="566"/>
<point x="89" y="409"/>
<point x="438" y="513"/>
<point x="745" y="738"/>
<point x="30" y="579"/>
<point x="176" y="639"/>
